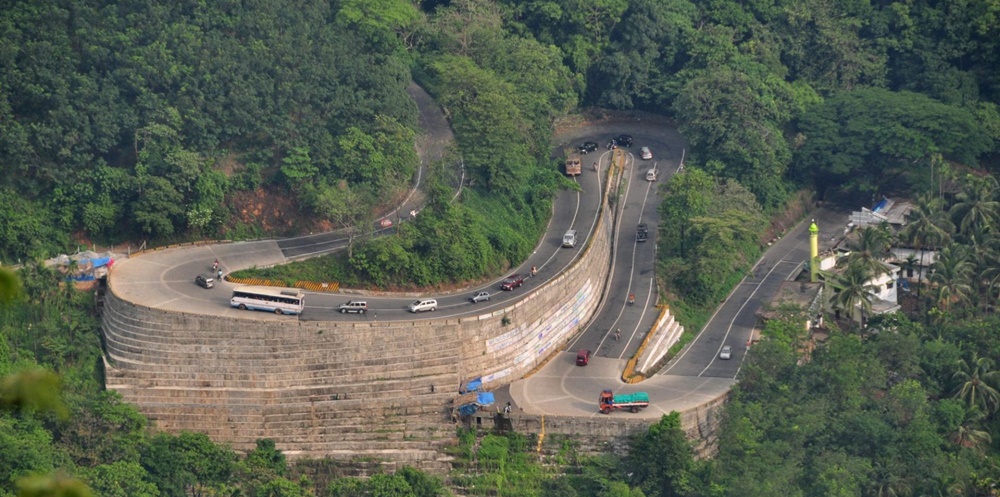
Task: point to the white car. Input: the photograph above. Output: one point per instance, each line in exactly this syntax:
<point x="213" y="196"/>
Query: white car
<point x="424" y="305"/>
<point x="727" y="353"/>
<point x="645" y="153"/>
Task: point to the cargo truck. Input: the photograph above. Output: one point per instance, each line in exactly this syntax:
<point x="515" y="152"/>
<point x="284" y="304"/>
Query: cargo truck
<point x="573" y="165"/>
<point x="631" y="401"/>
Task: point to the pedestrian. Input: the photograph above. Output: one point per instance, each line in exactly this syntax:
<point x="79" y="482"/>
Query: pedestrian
<point x="506" y="409"/>
<point x="432" y="388"/>
<point x="618" y="334"/>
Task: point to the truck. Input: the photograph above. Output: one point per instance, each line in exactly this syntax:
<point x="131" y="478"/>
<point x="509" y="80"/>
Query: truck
<point x="608" y="401"/>
<point x="641" y="232"/>
<point x="573" y="165"/>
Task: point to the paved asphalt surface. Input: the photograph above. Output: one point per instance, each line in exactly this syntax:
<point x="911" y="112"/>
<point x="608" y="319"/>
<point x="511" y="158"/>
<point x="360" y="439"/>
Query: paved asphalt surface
<point x="164" y="280"/>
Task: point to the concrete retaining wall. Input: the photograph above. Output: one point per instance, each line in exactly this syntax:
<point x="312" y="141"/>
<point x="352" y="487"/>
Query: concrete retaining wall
<point x="338" y="389"/>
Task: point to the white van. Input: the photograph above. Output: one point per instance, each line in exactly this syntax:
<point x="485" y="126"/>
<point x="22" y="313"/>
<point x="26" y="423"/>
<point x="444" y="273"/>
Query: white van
<point x="424" y="305"/>
<point x="651" y="175"/>
<point x="569" y="239"/>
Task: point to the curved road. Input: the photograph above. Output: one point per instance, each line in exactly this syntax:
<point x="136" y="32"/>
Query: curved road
<point x="165" y="280"/>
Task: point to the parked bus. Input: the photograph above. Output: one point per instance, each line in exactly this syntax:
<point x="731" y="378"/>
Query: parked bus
<point x="262" y="298"/>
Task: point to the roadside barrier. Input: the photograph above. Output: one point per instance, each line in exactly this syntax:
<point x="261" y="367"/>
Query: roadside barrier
<point x="629" y="375"/>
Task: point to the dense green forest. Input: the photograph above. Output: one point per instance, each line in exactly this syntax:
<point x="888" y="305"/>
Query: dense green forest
<point x="129" y="121"/>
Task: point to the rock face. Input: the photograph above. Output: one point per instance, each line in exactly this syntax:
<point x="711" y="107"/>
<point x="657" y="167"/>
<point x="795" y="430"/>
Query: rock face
<point x="337" y="389"/>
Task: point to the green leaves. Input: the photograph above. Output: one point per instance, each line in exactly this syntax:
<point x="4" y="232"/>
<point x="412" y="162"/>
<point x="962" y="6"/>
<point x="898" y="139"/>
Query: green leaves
<point x="866" y="138"/>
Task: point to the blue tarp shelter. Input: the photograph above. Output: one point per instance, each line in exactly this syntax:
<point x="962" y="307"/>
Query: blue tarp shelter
<point x="472" y="385"/>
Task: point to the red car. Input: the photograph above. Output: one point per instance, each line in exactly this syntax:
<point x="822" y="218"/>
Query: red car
<point x="583" y="357"/>
<point x="513" y="281"/>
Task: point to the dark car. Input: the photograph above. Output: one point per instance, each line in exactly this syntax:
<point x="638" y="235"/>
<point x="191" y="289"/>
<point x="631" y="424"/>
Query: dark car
<point x="582" y="357"/>
<point x="513" y="281"/>
<point x="641" y="232"/>
<point x="204" y="280"/>
<point x="587" y="147"/>
<point x="623" y="140"/>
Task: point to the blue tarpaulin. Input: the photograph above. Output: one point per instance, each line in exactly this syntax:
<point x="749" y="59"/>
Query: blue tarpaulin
<point x="472" y="402"/>
<point x="473" y="385"/>
<point x="99" y="262"/>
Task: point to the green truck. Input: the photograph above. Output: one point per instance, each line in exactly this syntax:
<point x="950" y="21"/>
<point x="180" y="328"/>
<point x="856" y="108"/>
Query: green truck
<point x="608" y="401"/>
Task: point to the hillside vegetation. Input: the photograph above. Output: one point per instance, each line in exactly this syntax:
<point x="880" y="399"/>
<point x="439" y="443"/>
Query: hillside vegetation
<point x="135" y="120"/>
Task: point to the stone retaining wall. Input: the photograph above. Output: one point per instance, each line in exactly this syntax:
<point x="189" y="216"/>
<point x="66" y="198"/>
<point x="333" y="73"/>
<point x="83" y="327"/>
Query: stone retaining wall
<point x="338" y="389"/>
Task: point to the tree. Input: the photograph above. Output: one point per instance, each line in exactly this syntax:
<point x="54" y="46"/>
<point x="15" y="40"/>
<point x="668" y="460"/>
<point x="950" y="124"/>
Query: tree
<point x="976" y="383"/>
<point x="382" y="22"/>
<point x="953" y="276"/>
<point x="180" y="464"/>
<point x="927" y="226"/>
<point x="977" y="210"/>
<point x="865" y="139"/>
<point x="869" y="250"/>
<point x="120" y="479"/>
<point x="647" y="49"/>
<point x="733" y="116"/>
<point x="661" y="460"/>
<point x="853" y="290"/>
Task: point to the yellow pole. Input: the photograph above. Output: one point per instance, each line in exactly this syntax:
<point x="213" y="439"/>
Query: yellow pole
<point x="813" y="252"/>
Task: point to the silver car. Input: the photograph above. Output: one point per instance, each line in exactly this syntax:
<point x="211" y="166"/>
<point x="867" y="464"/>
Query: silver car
<point x="727" y="353"/>
<point x="480" y="297"/>
<point x="645" y="153"/>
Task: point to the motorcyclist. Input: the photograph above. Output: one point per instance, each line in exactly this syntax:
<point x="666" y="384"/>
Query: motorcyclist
<point x="631" y="298"/>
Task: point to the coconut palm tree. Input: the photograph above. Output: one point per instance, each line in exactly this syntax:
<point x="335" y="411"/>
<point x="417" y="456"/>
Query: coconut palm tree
<point x="852" y="290"/>
<point x="984" y="253"/>
<point x="869" y="249"/>
<point x="968" y="434"/>
<point x="927" y="226"/>
<point x="952" y="275"/>
<point x="975" y="383"/>
<point x="976" y="208"/>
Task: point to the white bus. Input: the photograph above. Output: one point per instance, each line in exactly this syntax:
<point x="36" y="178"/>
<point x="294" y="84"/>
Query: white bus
<point x="262" y="298"/>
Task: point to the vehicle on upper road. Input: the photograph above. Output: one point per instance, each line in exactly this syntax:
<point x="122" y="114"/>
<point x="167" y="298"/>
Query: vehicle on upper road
<point x="358" y="306"/>
<point x="645" y="153"/>
<point x="569" y="239"/>
<point x="205" y="280"/>
<point x="587" y="147"/>
<point x="424" y="305"/>
<point x="727" y="353"/>
<point x="623" y="140"/>
<point x="608" y="402"/>
<point x="582" y="357"/>
<point x="511" y="282"/>
<point x="480" y="297"/>
<point x="263" y="298"/>
<point x="574" y="165"/>
<point x="641" y="232"/>
<point x="651" y="175"/>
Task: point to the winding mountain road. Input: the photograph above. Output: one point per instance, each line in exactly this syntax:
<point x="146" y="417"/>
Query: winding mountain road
<point x="164" y="280"/>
